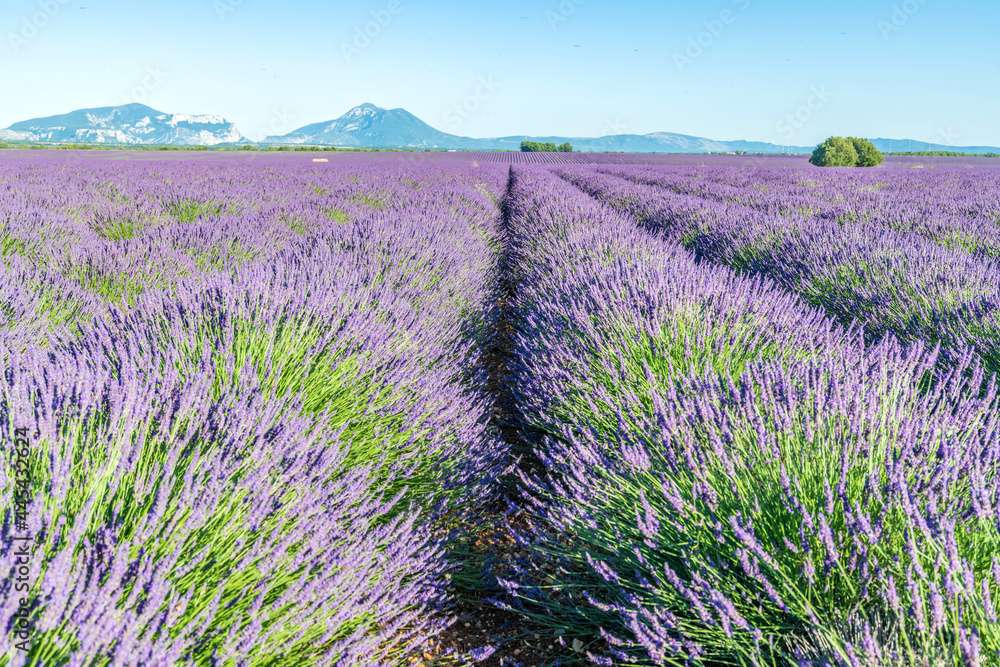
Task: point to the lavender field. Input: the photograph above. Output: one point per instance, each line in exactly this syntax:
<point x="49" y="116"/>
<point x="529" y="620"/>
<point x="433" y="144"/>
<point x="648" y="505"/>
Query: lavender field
<point x="724" y="410"/>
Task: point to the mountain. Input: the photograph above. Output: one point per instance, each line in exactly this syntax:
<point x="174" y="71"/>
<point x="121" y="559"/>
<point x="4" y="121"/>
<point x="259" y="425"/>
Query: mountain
<point x="656" y="142"/>
<point x="128" y="124"/>
<point x="907" y="145"/>
<point x="371" y="126"/>
<point x="10" y="135"/>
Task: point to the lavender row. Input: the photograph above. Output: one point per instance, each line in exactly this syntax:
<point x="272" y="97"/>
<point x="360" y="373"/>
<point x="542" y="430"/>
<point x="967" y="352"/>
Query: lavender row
<point x="728" y="161"/>
<point x="266" y="459"/>
<point x="954" y="209"/>
<point x="889" y="282"/>
<point x="731" y="476"/>
<point x="118" y="230"/>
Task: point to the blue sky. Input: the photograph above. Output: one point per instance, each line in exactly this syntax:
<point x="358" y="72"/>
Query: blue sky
<point x="786" y="72"/>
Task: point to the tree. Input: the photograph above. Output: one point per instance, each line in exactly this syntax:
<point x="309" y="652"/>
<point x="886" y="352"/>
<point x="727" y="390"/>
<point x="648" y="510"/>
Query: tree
<point x="547" y="147"/>
<point x="835" y="152"/>
<point x="868" y="155"/>
<point x="565" y="148"/>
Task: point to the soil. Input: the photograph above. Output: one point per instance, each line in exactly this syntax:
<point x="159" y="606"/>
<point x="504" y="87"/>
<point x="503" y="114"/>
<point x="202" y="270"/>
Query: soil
<point x="479" y="623"/>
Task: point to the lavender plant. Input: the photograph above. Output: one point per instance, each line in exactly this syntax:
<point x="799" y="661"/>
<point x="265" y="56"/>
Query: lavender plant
<point x="258" y="394"/>
<point x="890" y="281"/>
<point x="255" y="442"/>
<point x="201" y="527"/>
<point x="734" y="508"/>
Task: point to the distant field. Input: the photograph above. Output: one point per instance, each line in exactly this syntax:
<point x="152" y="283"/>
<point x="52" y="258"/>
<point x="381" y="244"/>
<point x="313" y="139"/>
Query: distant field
<point x="655" y="409"/>
<point x="693" y="160"/>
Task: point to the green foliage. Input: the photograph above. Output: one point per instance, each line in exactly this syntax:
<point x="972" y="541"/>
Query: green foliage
<point x="942" y="154"/>
<point x="835" y="152"/>
<point x="219" y="538"/>
<point x="566" y="148"/>
<point x="189" y="210"/>
<point x="10" y="244"/>
<point x="536" y="147"/>
<point x="121" y="228"/>
<point x="695" y="342"/>
<point x="868" y="155"/>
<point x="336" y="215"/>
<point x="379" y="201"/>
<point x="811" y="444"/>
<point x="849" y="152"/>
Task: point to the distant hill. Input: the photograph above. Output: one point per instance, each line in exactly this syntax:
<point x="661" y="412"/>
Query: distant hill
<point x="908" y="145"/>
<point x="128" y="124"/>
<point x="370" y="126"/>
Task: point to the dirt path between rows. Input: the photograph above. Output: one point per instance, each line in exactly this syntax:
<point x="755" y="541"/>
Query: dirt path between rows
<point x="481" y="623"/>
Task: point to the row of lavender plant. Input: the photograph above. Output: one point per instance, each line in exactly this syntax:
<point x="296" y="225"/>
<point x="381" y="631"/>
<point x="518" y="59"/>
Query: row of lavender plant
<point x="733" y="478"/>
<point x="255" y="462"/>
<point x="899" y="283"/>
<point x="955" y="209"/>
<point x="180" y="224"/>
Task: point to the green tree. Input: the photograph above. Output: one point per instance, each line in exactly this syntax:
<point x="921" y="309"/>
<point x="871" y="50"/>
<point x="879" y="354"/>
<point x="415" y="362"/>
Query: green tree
<point x="547" y="147"/>
<point x="868" y="155"/>
<point x="835" y="152"/>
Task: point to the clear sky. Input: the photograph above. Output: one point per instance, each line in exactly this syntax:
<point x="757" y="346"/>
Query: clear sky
<point x="769" y="70"/>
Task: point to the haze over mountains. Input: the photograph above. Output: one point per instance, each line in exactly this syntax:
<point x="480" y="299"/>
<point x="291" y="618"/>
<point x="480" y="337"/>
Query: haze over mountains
<point x="370" y="126"/>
